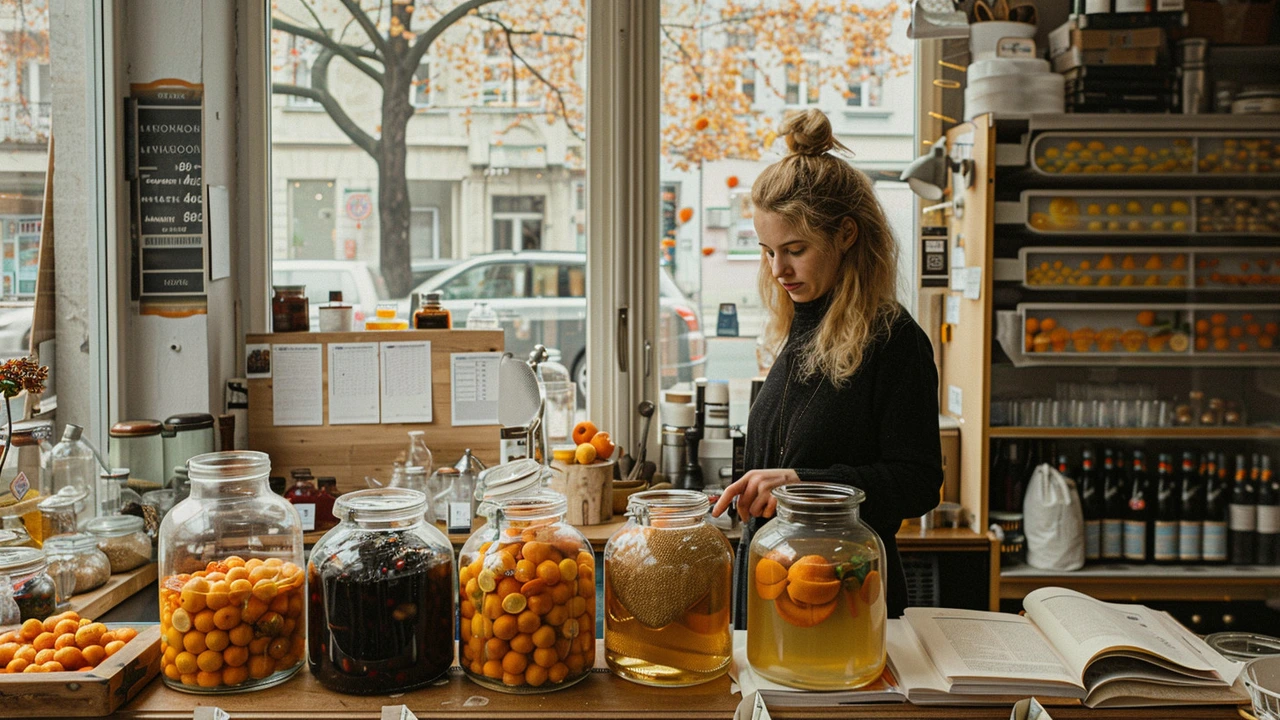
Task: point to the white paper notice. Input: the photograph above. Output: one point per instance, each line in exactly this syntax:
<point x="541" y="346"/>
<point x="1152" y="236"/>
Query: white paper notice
<point x="953" y="309"/>
<point x="973" y="283"/>
<point x="406" y="382"/>
<point x="475" y="388"/>
<point x="353" y="383"/>
<point x="297" y="392"/>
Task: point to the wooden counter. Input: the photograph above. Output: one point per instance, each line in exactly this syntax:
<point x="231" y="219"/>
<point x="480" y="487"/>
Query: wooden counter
<point x="116" y="590"/>
<point x="600" y="696"/>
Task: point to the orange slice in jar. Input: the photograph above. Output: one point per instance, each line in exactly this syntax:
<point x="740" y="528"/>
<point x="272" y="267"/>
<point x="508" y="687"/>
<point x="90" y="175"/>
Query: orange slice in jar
<point x="871" y="588"/>
<point x="770" y="578"/>
<point x="802" y="614"/>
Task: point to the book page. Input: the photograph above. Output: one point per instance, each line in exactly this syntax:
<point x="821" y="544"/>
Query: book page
<point x="987" y="648"/>
<point x="1083" y="628"/>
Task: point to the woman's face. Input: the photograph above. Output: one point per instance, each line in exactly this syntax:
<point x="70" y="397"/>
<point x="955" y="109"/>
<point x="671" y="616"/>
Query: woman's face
<point x="797" y="264"/>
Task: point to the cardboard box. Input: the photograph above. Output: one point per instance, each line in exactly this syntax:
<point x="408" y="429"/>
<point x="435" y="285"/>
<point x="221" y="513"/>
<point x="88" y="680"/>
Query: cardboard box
<point x="1067" y="36"/>
<point x="1075" y="57"/>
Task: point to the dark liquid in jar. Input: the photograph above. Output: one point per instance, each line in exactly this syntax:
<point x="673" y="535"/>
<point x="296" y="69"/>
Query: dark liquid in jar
<point x="35" y="597"/>
<point x="381" y="615"/>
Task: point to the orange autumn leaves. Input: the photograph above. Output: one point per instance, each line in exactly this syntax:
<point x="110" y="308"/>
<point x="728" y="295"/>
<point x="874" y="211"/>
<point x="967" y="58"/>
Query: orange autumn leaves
<point x="807" y="593"/>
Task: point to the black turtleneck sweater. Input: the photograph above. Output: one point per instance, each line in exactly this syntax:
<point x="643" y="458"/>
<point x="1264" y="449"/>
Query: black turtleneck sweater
<point x="879" y="432"/>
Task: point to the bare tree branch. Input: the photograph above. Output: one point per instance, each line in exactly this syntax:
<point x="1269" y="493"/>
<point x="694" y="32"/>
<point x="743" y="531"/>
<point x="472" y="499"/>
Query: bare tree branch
<point x="693" y="65"/>
<point x="370" y="29"/>
<point x="515" y="31"/>
<point x="564" y="107"/>
<point x="319" y="92"/>
<point x="420" y="46"/>
<point x="350" y="53"/>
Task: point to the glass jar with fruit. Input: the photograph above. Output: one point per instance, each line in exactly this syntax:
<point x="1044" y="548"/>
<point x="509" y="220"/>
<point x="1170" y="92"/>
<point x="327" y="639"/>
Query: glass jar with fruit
<point x="816" y="597"/>
<point x="527" y="597"/>
<point x="33" y="588"/>
<point x="232" y="588"/>
<point x="668" y="580"/>
<point x="381" y="605"/>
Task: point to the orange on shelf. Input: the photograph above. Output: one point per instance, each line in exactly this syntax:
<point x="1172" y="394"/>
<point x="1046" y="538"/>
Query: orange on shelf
<point x="1147" y="318"/>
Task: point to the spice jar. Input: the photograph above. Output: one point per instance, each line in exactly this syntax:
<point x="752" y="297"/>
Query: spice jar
<point x="528" y="598"/>
<point x="59" y="512"/>
<point x="231" y="558"/>
<point x="76" y="564"/>
<point x="381" y="603"/>
<point x="815" y="591"/>
<point x="33" y="588"/>
<point x="123" y="539"/>
<point x="668" y="586"/>
<point x="290" y="310"/>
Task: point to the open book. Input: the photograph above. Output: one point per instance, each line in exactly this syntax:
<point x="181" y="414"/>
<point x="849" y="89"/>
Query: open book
<point x="1068" y="645"/>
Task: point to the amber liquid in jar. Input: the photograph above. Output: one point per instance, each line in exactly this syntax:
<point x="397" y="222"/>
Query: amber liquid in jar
<point x="667" y="592"/>
<point x="794" y="642"/>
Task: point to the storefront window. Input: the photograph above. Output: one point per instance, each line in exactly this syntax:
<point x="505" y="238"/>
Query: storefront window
<point x="773" y="58"/>
<point x="25" y="120"/>
<point x="465" y="199"/>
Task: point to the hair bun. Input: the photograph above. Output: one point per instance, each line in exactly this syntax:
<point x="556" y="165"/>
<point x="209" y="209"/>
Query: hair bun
<point x="809" y="133"/>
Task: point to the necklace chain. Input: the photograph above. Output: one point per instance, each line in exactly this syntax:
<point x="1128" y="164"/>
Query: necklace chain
<point x="784" y="439"/>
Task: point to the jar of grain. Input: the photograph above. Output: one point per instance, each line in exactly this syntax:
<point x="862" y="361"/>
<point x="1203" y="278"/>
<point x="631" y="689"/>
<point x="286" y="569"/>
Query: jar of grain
<point x="528" y="597"/>
<point x="76" y="564"/>
<point x="815" y="591"/>
<point x="123" y="539"/>
<point x="668" y="586"/>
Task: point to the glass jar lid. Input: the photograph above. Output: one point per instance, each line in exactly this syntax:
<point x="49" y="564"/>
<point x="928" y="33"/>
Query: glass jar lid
<point x="516" y="472"/>
<point x="16" y="562"/>
<point x="135" y="428"/>
<point x="189" y="421"/>
<point x="651" y="505"/>
<point x="64" y="499"/>
<point x="73" y="544"/>
<point x="1243" y="646"/>
<point x="114" y="525"/>
<point x="378" y="505"/>
<point x="813" y="498"/>
<point x="9" y="537"/>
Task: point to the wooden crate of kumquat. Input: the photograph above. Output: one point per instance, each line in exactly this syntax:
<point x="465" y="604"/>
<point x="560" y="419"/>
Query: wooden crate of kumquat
<point x="74" y="667"/>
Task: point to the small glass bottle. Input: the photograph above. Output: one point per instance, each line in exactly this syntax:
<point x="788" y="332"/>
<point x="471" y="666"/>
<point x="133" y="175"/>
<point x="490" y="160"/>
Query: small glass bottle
<point x="433" y="315"/>
<point x="76" y="564"/>
<point x="336" y="316"/>
<point x="527" y="572"/>
<point x="384" y="318"/>
<point x="60" y="512"/>
<point x="75" y="464"/>
<point x="115" y="495"/>
<point x="482" y="317"/>
<point x="815" y="591"/>
<point x="668" y="586"/>
<point x="381" y="603"/>
<point x="290" y="309"/>
<point x="305" y="498"/>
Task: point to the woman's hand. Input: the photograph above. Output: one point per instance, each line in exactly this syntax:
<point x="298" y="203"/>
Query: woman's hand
<point x="754" y="491"/>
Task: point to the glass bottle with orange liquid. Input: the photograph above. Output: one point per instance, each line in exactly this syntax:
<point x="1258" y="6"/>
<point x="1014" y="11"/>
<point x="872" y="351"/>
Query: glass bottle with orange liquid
<point x="816" y="597"/>
<point x="668" y="579"/>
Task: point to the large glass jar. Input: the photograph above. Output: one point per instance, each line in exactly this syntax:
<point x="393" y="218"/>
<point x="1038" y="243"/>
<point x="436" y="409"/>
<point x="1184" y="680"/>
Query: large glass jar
<point x="28" y="574"/>
<point x="381" y="603"/>
<point x="528" y="598"/>
<point x="815" y="591"/>
<point x="76" y="564"/>
<point x="668" y="586"/>
<point x="232" y="588"/>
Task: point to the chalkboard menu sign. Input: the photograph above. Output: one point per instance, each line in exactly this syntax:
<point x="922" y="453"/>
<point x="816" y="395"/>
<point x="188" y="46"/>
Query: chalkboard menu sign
<point x="165" y="168"/>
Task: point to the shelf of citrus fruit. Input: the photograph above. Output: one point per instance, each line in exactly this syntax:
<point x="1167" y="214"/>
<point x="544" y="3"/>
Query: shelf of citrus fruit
<point x="1147" y="269"/>
<point x="1144" y="212"/>
<point x="1110" y="330"/>
<point x="1156" y="154"/>
<point x="235" y="622"/>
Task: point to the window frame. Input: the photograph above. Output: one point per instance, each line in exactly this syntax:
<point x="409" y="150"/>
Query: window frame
<point x="429" y="102"/>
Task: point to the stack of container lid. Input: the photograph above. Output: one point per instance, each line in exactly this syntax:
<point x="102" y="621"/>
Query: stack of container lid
<point x="1021" y="84"/>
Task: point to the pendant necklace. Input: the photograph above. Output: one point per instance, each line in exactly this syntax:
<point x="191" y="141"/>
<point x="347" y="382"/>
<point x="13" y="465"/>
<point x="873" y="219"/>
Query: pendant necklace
<point x="784" y="439"/>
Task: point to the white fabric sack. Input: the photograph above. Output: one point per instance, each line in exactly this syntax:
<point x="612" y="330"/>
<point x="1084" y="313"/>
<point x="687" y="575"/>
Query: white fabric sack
<point x="1053" y="521"/>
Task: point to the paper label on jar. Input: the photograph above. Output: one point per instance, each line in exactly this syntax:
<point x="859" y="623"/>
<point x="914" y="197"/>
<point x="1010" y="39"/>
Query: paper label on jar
<point x="307" y="512"/>
<point x="459" y="517"/>
<point x="20" y="486"/>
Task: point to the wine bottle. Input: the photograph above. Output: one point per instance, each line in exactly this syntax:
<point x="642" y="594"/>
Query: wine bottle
<point x="1091" y="505"/>
<point x="1114" y="503"/>
<point x="1139" y="525"/>
<point x="1242" y="526"/>
<point x="1190" y="522"/>
<point x="1268" y="513"/>
<point x="1214" y="528"/>
<point x="1167" y="512"/>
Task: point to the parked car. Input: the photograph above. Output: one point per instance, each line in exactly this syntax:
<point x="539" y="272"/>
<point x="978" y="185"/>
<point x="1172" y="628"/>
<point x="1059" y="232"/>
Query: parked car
<point x="361" y="287"/>
<point x="540" y="297"/>
<point x="424" y="270"/>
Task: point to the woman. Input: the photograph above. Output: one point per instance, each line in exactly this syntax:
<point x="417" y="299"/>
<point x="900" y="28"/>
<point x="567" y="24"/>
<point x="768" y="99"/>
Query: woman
<point x="853" y="395"/>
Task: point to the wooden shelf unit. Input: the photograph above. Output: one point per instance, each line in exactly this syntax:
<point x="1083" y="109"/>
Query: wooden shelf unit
<point x="1138" y="583"/>
<point x="1001" y="172"/>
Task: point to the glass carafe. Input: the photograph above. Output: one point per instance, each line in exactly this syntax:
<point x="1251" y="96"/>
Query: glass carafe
<point x="527" y="598"/>
<point x="668" y="579"/>
<point x="231" y="569"/>
<point x="382" y="596"/>
<point x="74" y="463"/>
<point x="815" y="591"/>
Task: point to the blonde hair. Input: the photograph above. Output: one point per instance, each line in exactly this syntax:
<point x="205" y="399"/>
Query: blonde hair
<point x="816" y="192"/>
